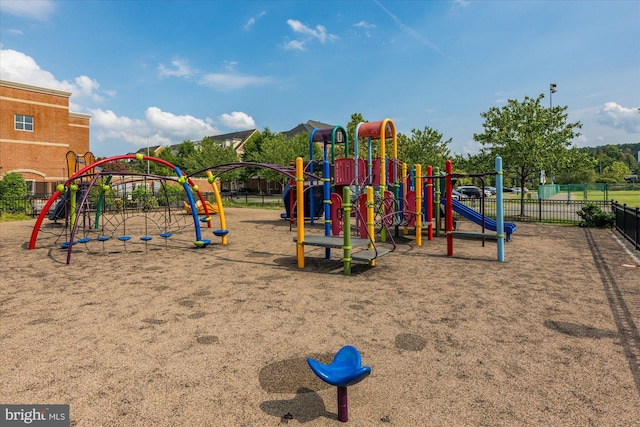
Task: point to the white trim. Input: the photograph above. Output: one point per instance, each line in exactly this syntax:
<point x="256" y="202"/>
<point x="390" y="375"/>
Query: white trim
<point x="22" y="86"/>
<point x="19" y="141"/>
<point x="79" y="126"/>
<point x="79" y="115"/>
<point x="24" y="101"/>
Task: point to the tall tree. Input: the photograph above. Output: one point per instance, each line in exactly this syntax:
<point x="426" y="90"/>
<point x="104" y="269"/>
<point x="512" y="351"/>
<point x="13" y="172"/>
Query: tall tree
<point x="351" y="135"/>
<point x="424" y="147"/>
<point x="615" y="172"/>
<point x="528" y="137"/>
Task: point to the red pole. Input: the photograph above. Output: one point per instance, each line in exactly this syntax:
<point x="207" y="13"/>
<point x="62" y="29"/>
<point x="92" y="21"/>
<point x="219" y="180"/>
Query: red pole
<point x="449" y="208"/>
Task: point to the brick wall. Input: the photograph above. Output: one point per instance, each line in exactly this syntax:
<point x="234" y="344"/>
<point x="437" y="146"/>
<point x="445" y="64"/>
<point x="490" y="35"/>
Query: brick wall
<point x="39" y="155"/>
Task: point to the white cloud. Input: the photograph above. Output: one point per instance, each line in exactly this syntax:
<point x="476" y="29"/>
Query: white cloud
<point x="237" y="120"/>
<point x="15" y="32"/>
<point x="251" y="22"/>
<point x="177" y="125"/>
<point x="294" y="45"/>
<point x="180" y="69"/>
<point x="157" y="128"/>
<point x="230" y="81"/>
<point x="364" y="24"/>
<point x="320" y="32"/>
<point x="20" y="68"/>
<point x="35" y="9"/>
<point x="619" y="117"/>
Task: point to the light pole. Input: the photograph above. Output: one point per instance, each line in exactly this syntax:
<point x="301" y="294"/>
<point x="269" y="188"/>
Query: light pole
<point x="552" y="89"/>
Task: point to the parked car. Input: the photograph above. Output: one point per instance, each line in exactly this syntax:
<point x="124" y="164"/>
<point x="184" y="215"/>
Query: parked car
<point x="491" y="190"/>
<point x="471" y="192"/>
<point x="455" y="195"/>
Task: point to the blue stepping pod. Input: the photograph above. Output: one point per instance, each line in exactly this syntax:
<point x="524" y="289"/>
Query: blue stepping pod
<point x="345" y="370"/>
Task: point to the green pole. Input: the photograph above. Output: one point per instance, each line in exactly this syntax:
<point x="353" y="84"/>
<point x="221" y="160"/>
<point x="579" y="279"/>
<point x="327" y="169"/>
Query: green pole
<point x="100" y="202"/>
<point x="346" y="218"/>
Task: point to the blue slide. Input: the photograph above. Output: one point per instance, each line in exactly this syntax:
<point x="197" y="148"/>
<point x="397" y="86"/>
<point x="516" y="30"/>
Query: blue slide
<point x="476" y="217"/>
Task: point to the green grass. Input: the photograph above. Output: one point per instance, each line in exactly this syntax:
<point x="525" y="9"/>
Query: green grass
<point x="631" y="198"/>
<point x="6" y="217"/>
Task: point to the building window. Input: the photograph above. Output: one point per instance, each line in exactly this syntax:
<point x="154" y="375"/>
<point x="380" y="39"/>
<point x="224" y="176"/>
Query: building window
<point x="31" y="184"/>
<point x="24" y="122"/>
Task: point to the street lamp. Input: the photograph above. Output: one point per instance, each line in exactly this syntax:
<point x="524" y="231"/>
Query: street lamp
<point x="552" y="89"/>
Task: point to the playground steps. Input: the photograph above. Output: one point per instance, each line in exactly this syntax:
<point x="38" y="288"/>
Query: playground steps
<point x="337" y="242"/>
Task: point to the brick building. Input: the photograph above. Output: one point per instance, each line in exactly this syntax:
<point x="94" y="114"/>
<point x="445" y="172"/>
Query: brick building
<point x="36" y="132"/>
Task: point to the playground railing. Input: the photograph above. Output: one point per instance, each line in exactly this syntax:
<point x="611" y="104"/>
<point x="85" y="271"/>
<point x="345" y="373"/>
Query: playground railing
<point x="627" y="222"/>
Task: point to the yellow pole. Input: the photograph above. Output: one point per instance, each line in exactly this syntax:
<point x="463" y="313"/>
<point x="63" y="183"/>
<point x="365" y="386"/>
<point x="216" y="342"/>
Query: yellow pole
<point x="216" y="193"/>
<point x="300" y="211"/>
<point x="370" y="221"/>
<point x="418" y="181"/>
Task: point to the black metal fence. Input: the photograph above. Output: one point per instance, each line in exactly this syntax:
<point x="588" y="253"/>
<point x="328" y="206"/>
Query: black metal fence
<point x="628" y="222"/>
<point x="531" y="210"/>
<point x="33" y="205"/>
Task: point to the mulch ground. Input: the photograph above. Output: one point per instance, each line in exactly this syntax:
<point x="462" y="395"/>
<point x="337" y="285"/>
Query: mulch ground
<point x="165" y="334"/>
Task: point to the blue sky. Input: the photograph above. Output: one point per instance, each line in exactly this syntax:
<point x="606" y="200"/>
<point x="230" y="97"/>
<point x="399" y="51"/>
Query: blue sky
<point x="160" y="72"/>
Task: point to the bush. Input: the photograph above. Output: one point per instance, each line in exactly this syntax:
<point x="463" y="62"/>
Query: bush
<point x="593" y="216"/>
<point x="13" y="191"/>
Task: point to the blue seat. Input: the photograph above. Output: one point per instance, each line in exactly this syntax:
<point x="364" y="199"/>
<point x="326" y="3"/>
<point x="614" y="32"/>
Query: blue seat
<point x="345" y="370"/>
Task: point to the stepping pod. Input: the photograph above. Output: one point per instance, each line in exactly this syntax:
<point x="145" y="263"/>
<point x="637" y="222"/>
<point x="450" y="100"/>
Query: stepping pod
<point x="345" y="370"/>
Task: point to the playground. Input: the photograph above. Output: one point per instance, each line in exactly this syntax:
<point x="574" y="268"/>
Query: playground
<point x="165" y="333"/>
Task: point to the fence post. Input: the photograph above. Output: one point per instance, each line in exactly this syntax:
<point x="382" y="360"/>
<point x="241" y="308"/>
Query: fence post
<point x="539" y="209"/>
<point x="624" y="219"/>
<point x="637" y="244"/>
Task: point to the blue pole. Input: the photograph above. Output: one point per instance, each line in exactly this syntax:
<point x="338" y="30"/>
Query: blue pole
<point x="311" y="207"/>
<point x="499" y="210"/>
<point x="182" y="179"/>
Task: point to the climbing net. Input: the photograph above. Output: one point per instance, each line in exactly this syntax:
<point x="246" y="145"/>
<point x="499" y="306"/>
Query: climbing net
<point x="115" y="212"/>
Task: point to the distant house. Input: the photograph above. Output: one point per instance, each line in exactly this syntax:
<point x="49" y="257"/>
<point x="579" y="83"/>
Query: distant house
<point x="36" y="132"/>
<point x="306" y="127"/>
<point x="236" y="140"/>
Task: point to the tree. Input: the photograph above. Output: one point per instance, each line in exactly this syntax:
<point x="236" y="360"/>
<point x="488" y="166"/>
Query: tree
<point x="578" y="168"/>
<point x="615" y="173"/>
<point x="528" y="137"/>
<point x="13" y="190"/>
<point x="277" y="149"/>
<point x="425" y="147"/>
<point x="351" y="135"/>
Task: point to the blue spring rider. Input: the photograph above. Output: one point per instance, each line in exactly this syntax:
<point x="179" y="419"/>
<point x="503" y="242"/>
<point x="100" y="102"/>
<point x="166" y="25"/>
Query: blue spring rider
<point x="345" y="370"/>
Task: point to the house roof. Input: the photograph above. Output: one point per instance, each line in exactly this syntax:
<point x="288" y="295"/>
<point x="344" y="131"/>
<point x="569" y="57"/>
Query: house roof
<point x="306" y="127"/>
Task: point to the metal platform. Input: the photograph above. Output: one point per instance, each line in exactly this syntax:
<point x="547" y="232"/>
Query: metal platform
<point x="337" y="242"/>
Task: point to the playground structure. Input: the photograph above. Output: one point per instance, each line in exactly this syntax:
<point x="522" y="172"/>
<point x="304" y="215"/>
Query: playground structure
<point x="100" y="206"/>
<point x="378" y="196"/>
<point x="364" y="203"/>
